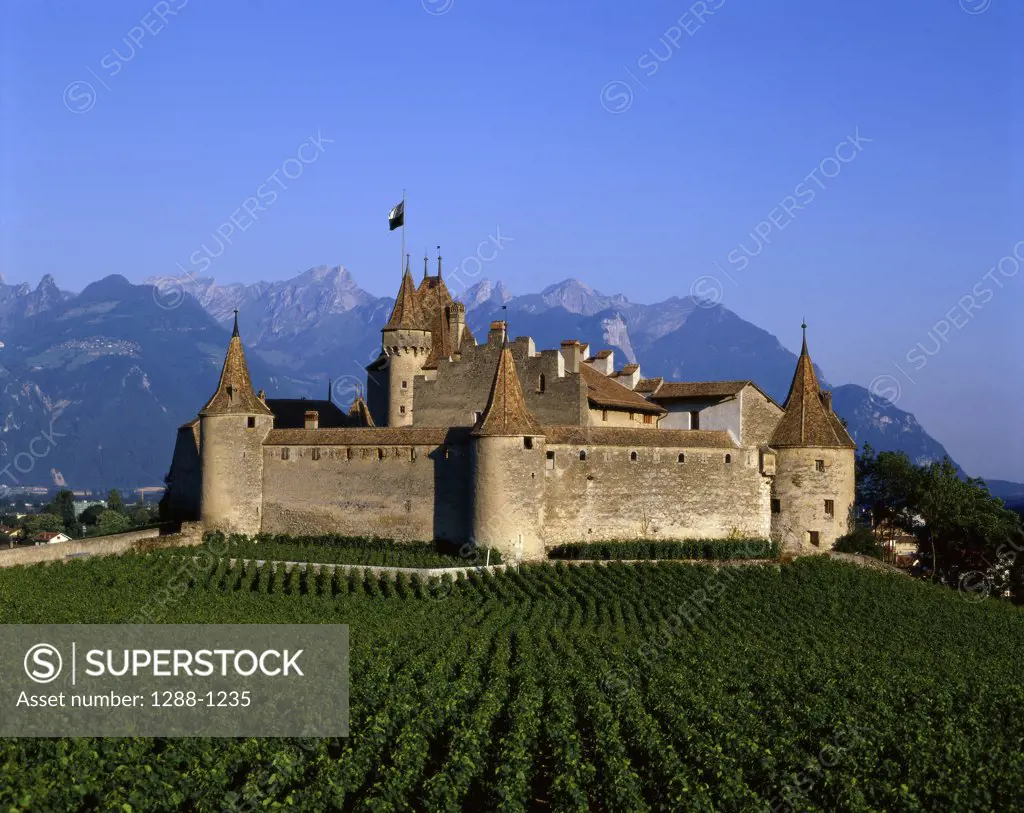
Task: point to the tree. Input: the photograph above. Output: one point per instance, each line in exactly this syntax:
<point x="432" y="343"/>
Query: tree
<point x="112" y="522"/>
<point x="38" y="523"/>
<point x="114" y="501"/>
<point x="91" y="515"/>
<point x="956" y="520"/>
<point x="63" y="506"/>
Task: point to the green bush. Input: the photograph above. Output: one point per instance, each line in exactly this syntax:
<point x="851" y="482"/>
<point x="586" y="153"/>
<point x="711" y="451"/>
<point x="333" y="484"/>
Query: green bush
<point x="861" y="540"/>
<point x="669" y="549"/>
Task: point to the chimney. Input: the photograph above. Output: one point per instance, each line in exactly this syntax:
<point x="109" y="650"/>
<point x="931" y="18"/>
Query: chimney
<point x="604" y="362"/>
<point x="826" y="397"/>
<point x="571" y="353"/>
<point x="496" y="335"/>
<point x="456" y="324"/>
<point x="312" y="419"/>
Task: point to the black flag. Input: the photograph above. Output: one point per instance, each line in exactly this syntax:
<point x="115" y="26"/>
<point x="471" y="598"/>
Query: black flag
<point x="396" y="217"/>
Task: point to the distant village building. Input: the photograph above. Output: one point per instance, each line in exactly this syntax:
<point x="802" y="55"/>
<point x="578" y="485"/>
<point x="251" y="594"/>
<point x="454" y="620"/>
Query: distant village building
<point x="50" y="537"/>
<point x="502" y="445"/>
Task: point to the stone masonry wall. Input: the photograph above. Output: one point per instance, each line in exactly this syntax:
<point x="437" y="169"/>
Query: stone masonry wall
<point x="802" y="490"/>
<point x="608" y="496"/>
<point x="409" y="493"/>
<point x="760" y="417"/>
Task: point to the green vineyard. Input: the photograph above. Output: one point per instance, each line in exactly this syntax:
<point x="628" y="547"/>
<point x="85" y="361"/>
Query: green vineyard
<point x="815" y="686"/>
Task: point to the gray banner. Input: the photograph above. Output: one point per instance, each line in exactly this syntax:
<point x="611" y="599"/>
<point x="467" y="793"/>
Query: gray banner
<point x="174" y="680"/>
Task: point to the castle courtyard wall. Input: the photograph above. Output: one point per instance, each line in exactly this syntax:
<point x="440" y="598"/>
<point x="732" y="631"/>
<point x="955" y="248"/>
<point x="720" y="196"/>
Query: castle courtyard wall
<point x="610" y="496"/>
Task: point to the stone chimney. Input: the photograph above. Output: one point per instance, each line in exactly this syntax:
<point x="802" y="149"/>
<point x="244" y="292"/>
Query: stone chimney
<point x="496" y="335"/>
<point x="572" y="352"/>
<point x="630" y="376"/>
<point x="312" y="419"/>
<point x="456" y="324"/>
<point x="604" y="362"/>
<point x="826" y="399"/>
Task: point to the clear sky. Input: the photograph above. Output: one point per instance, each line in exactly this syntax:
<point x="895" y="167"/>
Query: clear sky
<point x="632" y="145"/>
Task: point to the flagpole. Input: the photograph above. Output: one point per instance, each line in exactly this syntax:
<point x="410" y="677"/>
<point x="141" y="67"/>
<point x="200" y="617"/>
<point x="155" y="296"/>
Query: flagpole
<point x="402" y="260"/>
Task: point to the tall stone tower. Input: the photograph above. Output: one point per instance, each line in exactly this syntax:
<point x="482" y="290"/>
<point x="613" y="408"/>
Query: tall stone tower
<point x="813" y="491"/>
<point x="405" y="346"/>
<point x="233" y="425"/>
<point x="508" y="469"/>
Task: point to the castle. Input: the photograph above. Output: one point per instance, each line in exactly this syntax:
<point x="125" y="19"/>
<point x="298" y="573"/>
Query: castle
<point x="501" y="445"/>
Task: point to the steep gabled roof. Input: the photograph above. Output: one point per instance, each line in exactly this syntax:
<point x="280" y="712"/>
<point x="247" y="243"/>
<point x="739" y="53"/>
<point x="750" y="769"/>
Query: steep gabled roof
<point x="698" y="389"/>
<point x="407" y="313"/>
<point x="604" y="392"/>
<point x="234" y="395"/>
<point x="807" y="421"/>
<point x="290" y="413"/>
<point x="648" y="385"/>
<point x="506" y="412"/>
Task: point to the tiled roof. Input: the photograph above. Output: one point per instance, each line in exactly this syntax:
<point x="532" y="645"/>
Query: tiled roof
<point x="506" y="412"/>
<point x="654" y="438"/>
<point x="234" y="393"/>
<point x="407" y="313"/>
<point x="806" y="420"/>
<point x="648" y="384"/>
<point x="698" y="389"/>
<point x="629" y="369"/>
<point x="290" y="413"/>
<point x="369" y="436"/>
<point x="602" y="392"/>
<point x="603" y="354"/>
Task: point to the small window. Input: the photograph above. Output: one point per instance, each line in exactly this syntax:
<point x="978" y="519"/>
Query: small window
<point x="527" y="443"/>
<point x="380" y="454"/>
<point x="583" y="455"/>
<point x="632" y="457"/>
<point x="550" y="460"/>
<point x="250" y="422"/>
<point x="604" y="414"/>
<point x="776" y="507"/>
<point x="315" y="454"/>
<point x="819" y="465"/>
<point x="541" y="383"/>
<point x="405" y="385"/>
<point x="447" y="453"/>
<point x="401" y="410"/>
<point x="412" y="452"/>
<point x="648" y="419"/>
<point x="814" y="538"/>
<point x="728" y="458"/>
<point x="830" y="508"/>
<point x="231" y="394"/>
<point x="682" y="457"/>
<point x="284" y="453"/>
<point x="695" y="420"/>
<point x="348" y="454"/>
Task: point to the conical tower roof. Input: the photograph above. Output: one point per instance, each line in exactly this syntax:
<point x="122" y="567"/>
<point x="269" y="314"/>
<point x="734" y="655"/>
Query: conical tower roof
<point x="506" y="412"/>
<point x="359" y="412"/>
<point x="407" y="313"/>
<point x="234" y="395"/>
<point x="807" y="420"/>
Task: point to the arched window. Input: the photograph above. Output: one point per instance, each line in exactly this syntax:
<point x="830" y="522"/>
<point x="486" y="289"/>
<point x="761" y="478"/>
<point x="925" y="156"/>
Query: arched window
<point x="728" y="458"/>
<point x="632" y="457"/>
<point x="540" y="383"/>
<point x="583" y="455"/>
<point x="682" y="457"/>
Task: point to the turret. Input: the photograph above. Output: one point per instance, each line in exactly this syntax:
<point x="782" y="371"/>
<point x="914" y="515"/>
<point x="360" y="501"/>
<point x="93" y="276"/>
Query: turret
<point x="405" y="346"/>
<point x="508" y="469"/>
<point x="813" y="489"/>
<point x="233" y="425"/>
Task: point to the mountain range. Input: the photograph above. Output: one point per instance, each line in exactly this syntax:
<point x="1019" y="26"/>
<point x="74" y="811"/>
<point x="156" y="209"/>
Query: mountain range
<point x="109" y="373"/>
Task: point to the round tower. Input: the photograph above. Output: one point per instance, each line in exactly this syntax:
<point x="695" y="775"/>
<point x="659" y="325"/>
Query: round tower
<point x="233" y="425"/>
<point x="508" y="470"/>
<point x="813" y="490"/>
<point x="405" y="346"/>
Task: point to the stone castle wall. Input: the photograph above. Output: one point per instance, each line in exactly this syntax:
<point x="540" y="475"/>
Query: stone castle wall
<point x="231" y="454"/>
<point x="801" y="491"/>
<point x="610" y="496"/>
<point x="409" y="493"/>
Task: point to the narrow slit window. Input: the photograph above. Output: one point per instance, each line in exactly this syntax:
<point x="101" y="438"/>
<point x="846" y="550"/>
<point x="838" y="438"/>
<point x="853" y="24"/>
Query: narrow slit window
<point x="776" y="507"/>
<point x="682" y="457"/>
<point x="728" y="458"/>
<point x="695" y="419"/>
<point x="284" y="453"/>
<point x="541" y="383"/>
<point x="315" y="454"/>
<point x="251" y="423"/>
<point x="583" y="455"/>
<point x="632" y="457"/>
<point x="830" y="508"/>
<point x="550" y="460"/>
<point x="819" y="465"/>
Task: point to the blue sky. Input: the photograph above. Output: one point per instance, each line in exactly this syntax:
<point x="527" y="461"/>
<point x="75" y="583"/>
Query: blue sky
<point x="514" y="116"/>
